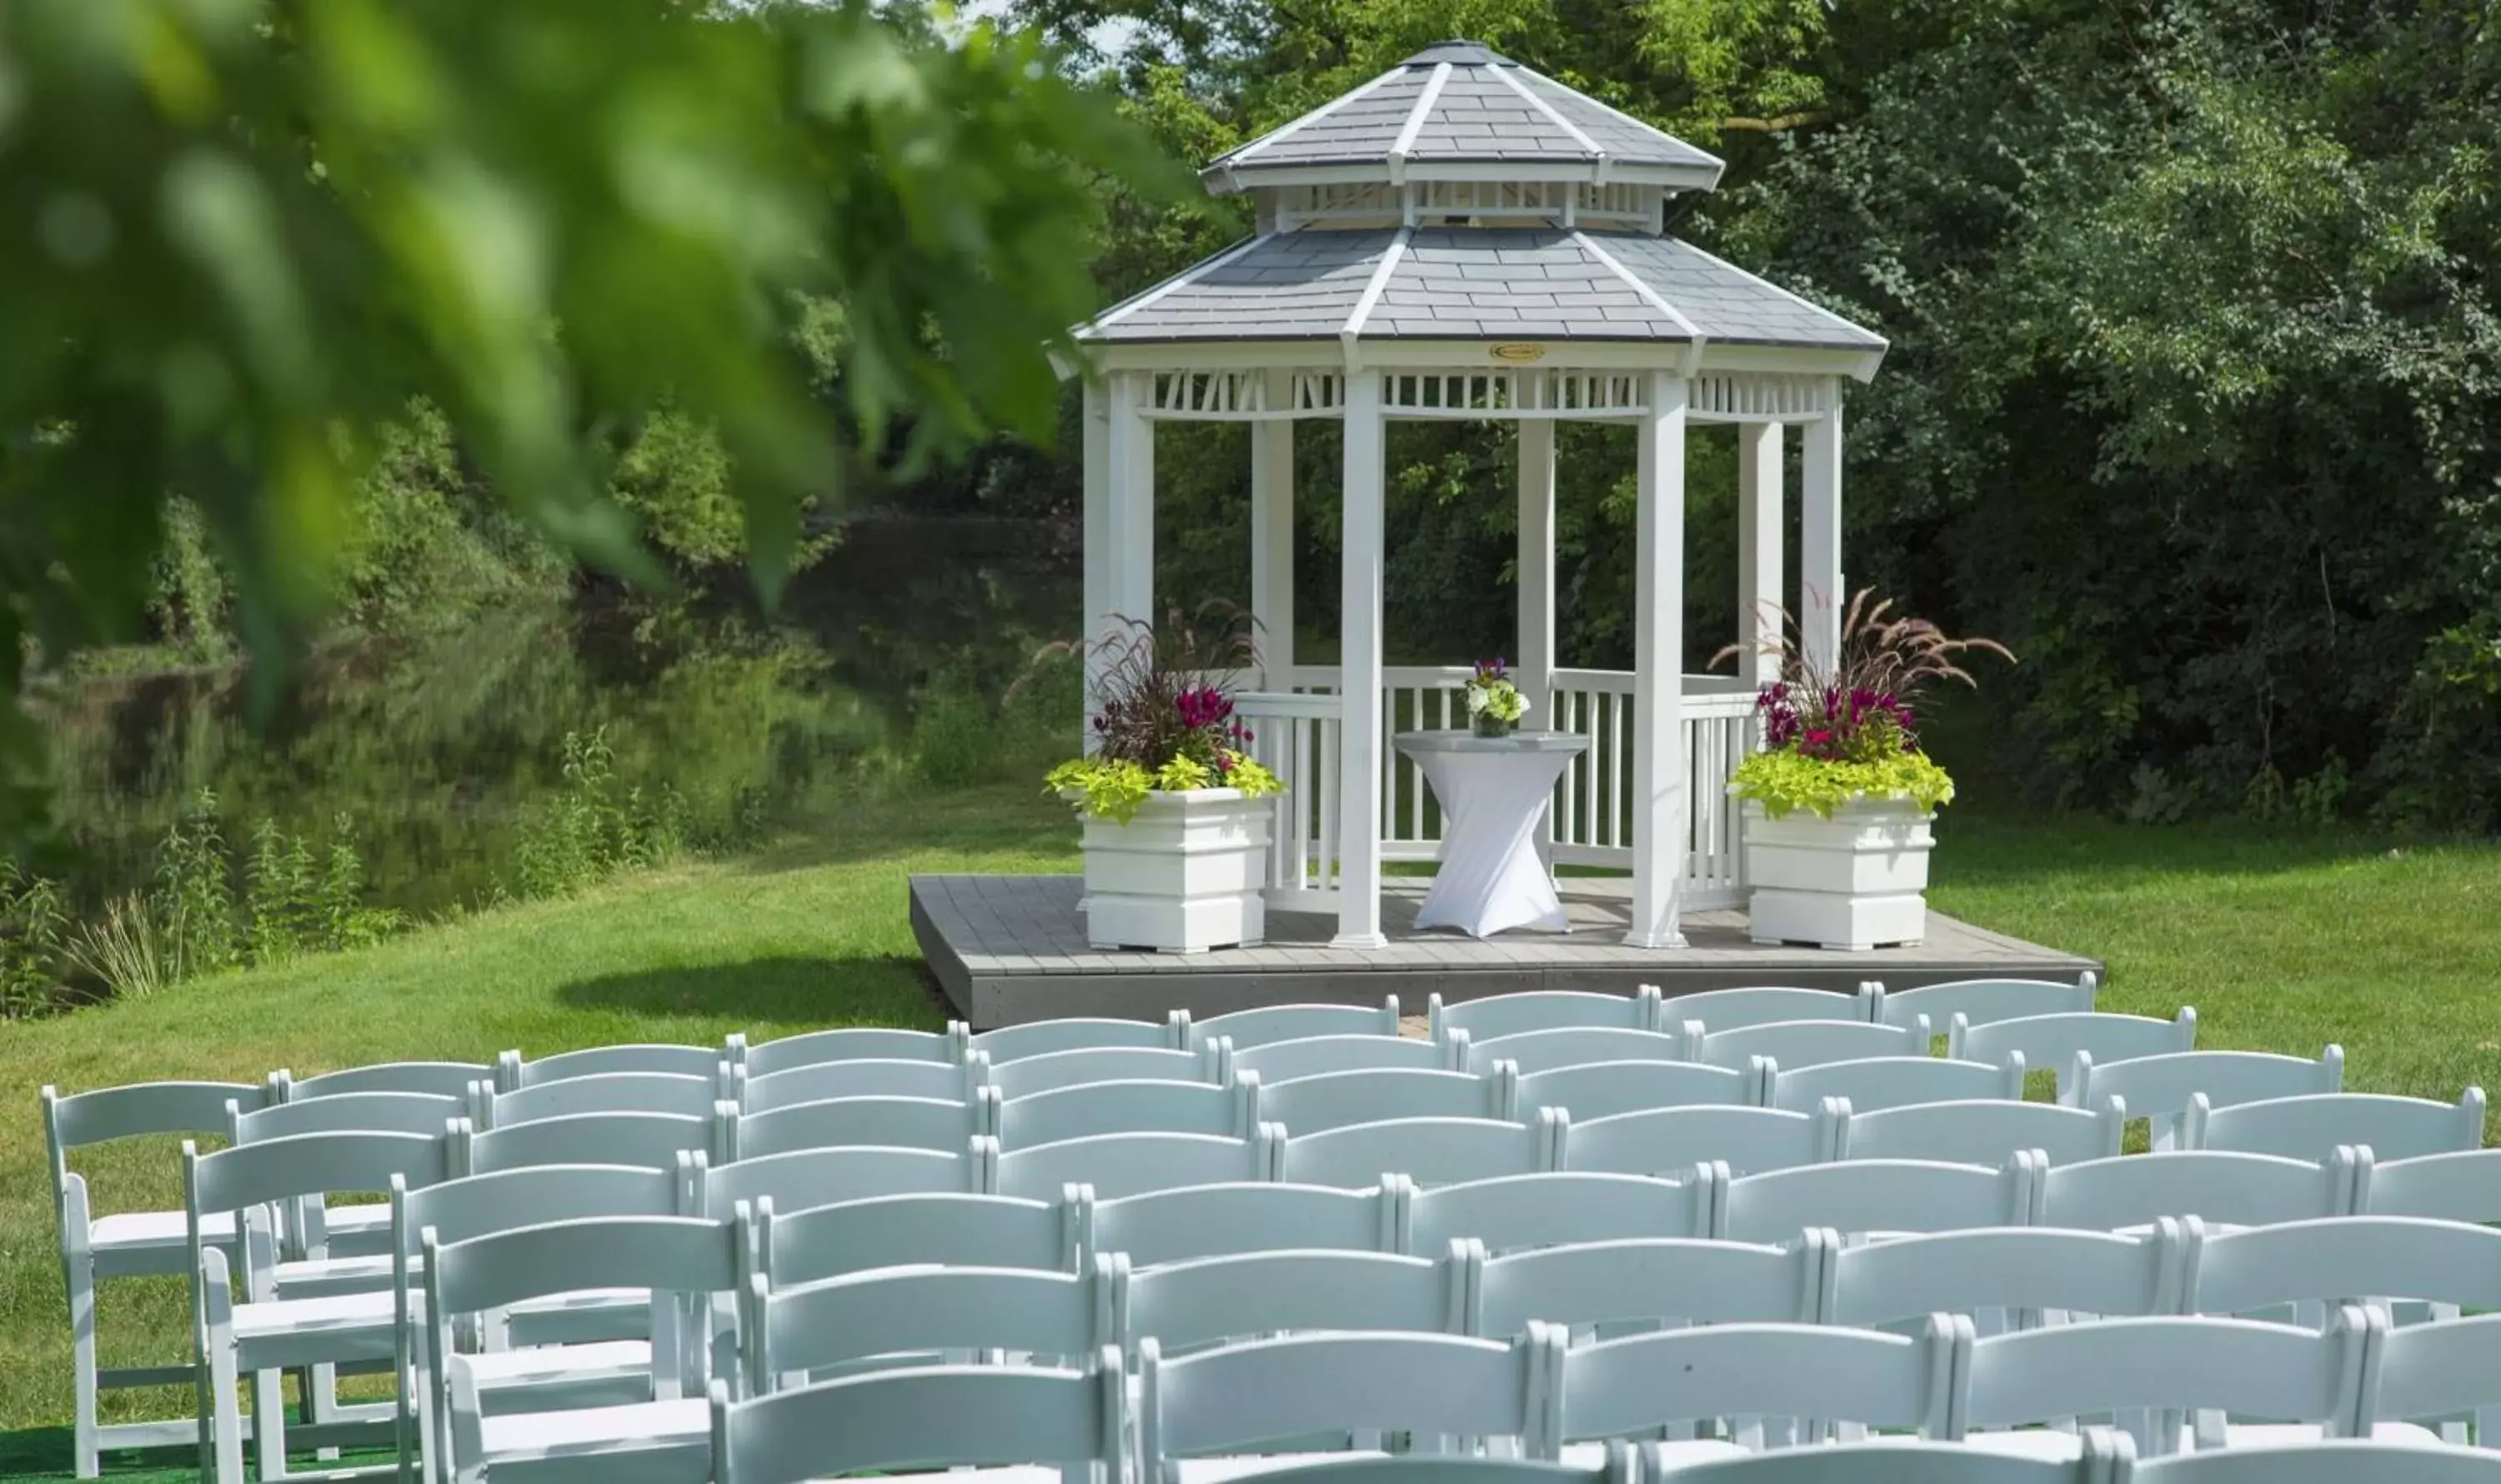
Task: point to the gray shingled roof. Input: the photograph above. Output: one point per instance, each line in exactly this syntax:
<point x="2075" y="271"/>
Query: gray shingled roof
<point x="1473" y="283"/>
<point x="1476" y="116"/>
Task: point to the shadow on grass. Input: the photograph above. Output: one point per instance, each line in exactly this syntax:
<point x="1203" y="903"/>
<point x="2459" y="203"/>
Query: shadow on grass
<point x="44" y="1453"/>
<point x="883" y="990"/>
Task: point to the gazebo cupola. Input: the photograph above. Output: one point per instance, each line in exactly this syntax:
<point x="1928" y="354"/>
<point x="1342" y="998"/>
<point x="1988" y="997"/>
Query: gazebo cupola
<point x="1464" y="238"/>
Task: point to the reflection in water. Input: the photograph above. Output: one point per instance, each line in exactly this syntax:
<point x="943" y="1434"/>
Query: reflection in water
<point x="434" y="746"/>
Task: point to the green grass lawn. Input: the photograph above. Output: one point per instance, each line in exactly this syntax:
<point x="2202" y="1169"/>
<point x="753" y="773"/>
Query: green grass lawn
<point x="2281" y="941"/>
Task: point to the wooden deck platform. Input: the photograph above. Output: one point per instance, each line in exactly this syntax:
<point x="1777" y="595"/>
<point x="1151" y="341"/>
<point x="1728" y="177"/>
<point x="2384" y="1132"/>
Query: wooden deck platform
<point x="1012" y="949"/>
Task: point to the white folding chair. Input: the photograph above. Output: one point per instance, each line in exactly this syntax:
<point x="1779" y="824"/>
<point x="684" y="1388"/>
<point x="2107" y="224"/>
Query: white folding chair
<point x="850" y="1044"/>
<point x="2161" y="1087"/>
<point x="261" y="1333"/>
<point x="1269" y="1024"/>
<point x="1872" y="1084"/>
<point x="1042" y="1038"/>
<point x="1318" y="1056"/>
<point x="128" y="1244"/>
<point x="2445" y="1187"/>
<point x="1185" y="1305"/>
<point x="1191" y="1221"/>
<point x="681" y="1261"/>
<point x="939" y="1417"/>
<point x="900" y="1315"/>
<point x="1339" y="1099"/>
<point x="2225" y="1190"/>
<point x="1090" y="1108"/>
<point x="2053" y="1043"/>
<point x="1235" y="1398"/>
<point x="1118" y="1165"/>
<point x="946" y="1229"/>
<point x="2335" y="1462"/>
<point x="1769" y="1383"/>
<point x="1605" y="1088"/>
<point x="2303" y="1381"/>
<point x="1861" y="1198"/>
<point x="1980" y="1002"/>
<point x="1985" y="1132"/>
<point x="2311" y="1127"/>
<point x="1496" y="1015"/>
<point x="943" y="1124"/>
<point x="1522" y="1211"/>
<point x="1049" y="1070"/>
<point x="1736" y="1009"/>
<point x="1674" y="1279"/>
<point x="1542" y="1051"/>
<point x="1670" y="1141"/>
<point x="2024" y="1271"/>
<point x="1430" y="1151"/>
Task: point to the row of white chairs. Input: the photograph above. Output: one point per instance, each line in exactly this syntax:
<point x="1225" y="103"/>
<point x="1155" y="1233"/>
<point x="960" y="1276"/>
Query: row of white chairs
<point x="1452" y="1334"/>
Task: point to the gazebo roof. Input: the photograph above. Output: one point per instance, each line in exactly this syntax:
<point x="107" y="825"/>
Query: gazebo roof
<point x="1457" y="104"/>
<point x="1473" y="284"/>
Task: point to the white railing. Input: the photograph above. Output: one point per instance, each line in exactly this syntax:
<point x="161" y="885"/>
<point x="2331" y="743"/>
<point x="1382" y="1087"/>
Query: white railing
<point x="1590" y="822"/>
<point x="1295" y="737"/>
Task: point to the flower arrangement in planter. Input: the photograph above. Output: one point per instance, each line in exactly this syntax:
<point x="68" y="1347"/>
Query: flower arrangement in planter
<point x="1174" y="806"/>
<point x="1496" y="703"/>
<point x="1840" y="798"/>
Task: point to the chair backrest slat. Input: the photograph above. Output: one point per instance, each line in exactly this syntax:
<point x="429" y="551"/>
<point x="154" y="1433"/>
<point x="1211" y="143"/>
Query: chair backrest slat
<point x="1341" y="1099"/>
<point x="144" y="1108"/>
<point x="2349" y="1258"/>
<point x="2051" y="1042"/>
<point x="2446" y="1187"/>
<point x="651" y="1140"/>
<point x="2240" y="1190"/>
<point x="856" y="1044"/>
<point x="1206" y="1221"/>
<point x="1670" y="1141"/>
<point x="1544" y="1209"/>
<point x="312" y="1165"/>
<point x="1795" y="1044"/>
<point x="1890" y="1461"/>
<point x="1984" y="1133"/>
<point x="929" y="1417"/>
<point x="1041" y="1038"/>
<point x="457" y="1210"/>
<point x="1539" y="1051"/>
<point x="666" y="1254"/>
<point x="807" y="1178"/>
<point x="1736" y="1009"/>
<point x="2163" y="1086"/>
<point x="1675" y="1279"/>
<point x="900" y="1311"/>
<point x="2277" y="1372"/>
<point x="1054" y="1069"/>
<point x="949" y="1228"/>
<point x="1238" y="1396"/>
<point x="1118" y="1165"/>
<point x="1090" y="1108"/>
<point x="1605" y="1088"/>
<point x="1873" y="1084"/>
<point x="424" y="1114"/>
<point x="597" y="1093"/>
<point x="1496" y="1015"/>
<point x="595" y="1061"/>
<point x="1247" y="1029"/>
<point x="1315" y="1055"/>
<point x="2442" y="1370"/>
<point x="2096" y="1274"/>
<point x="2333" y="1461"/>
<point x="438" y="1079"/>
<point x="1983" y="1001"/>
<point x="1875" y="1196"/>
<point x="2312" y="1128"/>
<point x="1621" y="1387"/>
<point x="941" y="1125"/>
<point x="1430" y="1151"/>
<point x="1264" y="1293"/>
<point x="859" y="1077"/>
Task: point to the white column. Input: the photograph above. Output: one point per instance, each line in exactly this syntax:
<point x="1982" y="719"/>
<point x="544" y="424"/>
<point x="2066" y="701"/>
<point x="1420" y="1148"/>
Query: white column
<point x="1096" y="428"/>
<point x="1130" y="447"/>
<point x="1536" y="566"/>
<point x="1359" y="732"/>
<point x="1758" y="552"/>
<point x="1821" y="594"/>
<point x="1272" y="536"/>
<point x="1662" y="805"/>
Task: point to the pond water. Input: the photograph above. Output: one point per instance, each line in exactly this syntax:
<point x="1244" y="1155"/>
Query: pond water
<point x="434" y="748"/>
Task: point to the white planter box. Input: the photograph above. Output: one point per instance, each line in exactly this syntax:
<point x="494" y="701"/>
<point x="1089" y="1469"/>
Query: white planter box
<point x="1853" y="881"/>
<point x="1182" y="877"/>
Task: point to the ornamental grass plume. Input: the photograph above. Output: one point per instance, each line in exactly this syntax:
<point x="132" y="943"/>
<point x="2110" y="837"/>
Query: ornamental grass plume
<point x="1166" y="722"/>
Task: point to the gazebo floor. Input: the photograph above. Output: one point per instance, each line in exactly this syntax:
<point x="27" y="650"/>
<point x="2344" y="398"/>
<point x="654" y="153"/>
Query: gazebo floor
<point x="1010" y="949"/>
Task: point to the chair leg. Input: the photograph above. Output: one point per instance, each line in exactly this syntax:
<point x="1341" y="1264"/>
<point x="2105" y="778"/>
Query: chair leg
<point x="320" y="1391"/>
<point x="83" y="1364"/>
<point x="269" y="1422"/>
<point x="221" y="1409"/>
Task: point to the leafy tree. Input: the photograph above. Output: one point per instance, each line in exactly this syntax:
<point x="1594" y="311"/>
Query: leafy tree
<point x="241" y="235"/>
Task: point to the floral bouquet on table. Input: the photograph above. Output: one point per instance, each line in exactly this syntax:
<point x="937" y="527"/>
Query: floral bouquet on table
<point x="1166" y="723"/>
<point x="1832" y="736"/>
<point x="1495" y="704"/>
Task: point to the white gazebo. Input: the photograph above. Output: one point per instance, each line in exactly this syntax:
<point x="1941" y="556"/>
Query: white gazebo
<point x="1463" y="238"/>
